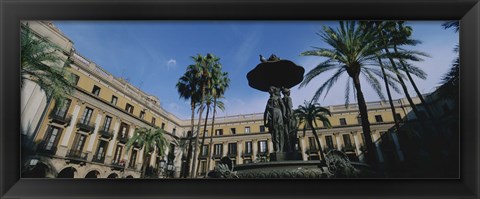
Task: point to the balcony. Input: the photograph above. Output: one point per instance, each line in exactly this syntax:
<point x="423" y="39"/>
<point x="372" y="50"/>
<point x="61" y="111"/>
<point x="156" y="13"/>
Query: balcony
<point x="348" y="148"/>
<point x="77" y="155"/>
<point x="118" y="165"/>
<point x="203" y="156"/>
<point x="86" y="126"/>
<point x="216" y="156"/>
<point x="42" y="148"/>
<point x="98" y="159"/>
<point x="137" y="145"/>
<point x="262" y="153"/>
<point x="106" y="133"/>
<point x="247" y="154"/>
<point x="312" y="150"/>
<point x="122" y="139"/>
<point x="60" y="119"/>
<point x="232" y="154"/>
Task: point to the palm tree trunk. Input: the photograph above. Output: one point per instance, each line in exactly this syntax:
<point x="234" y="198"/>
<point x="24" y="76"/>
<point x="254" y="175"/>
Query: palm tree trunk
<point x="204" y="132"/>
<point x="322" y="156"/>
<point x="189" y="152"/>
<point x="145" y="165"/>
<point x="362" y="106"/>
<point x="195" y="154"/>
<point x="211" y="133"/>
<point x="394" y="113"/>
<point x="427" y="107"/>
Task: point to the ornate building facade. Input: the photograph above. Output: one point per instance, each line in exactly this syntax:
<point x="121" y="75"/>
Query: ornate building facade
<point x="85" y="137"/>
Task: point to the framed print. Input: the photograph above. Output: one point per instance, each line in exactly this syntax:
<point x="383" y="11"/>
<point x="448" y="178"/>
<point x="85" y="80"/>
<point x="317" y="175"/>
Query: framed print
<point x="239" y="99"/>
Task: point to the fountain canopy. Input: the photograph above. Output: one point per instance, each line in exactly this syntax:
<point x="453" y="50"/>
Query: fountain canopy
<point x="278" y="73"/>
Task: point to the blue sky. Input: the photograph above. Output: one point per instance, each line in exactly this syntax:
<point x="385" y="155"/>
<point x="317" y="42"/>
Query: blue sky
<point x="154" y="54"/>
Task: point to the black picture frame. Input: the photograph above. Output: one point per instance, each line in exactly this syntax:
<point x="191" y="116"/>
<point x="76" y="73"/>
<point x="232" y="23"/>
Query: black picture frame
<point x="11" y="186"/>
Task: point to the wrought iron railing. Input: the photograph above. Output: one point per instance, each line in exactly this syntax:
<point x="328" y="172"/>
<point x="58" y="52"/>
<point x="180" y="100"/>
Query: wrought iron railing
<point x="85" y="126"/>
<point x="77" y="154"/>
<point x="60" y="119"/>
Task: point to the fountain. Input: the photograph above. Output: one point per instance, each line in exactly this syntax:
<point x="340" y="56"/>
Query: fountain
<point x="277" y="76"/>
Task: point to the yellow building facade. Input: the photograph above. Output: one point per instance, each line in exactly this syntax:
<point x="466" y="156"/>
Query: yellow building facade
<point x="86" y="136"/>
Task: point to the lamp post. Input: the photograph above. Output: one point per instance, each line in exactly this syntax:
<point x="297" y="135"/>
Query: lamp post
<point x="170" y="169"/>
<point x="162" y="167"/>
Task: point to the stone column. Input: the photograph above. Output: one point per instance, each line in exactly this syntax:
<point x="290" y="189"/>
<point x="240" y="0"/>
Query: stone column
<point x="303" y="148"/>
<point x="225" y="149"/>
<point x="356" y="139"/>
<point x="68" y="132"/>
<point x="111" y="144"/>
<point x="239" y="152"/>
<point x="339" y="141"/>
<point x="93" y="137"/>
<point x="269" y="146"/>
<point x="255" y="149"/>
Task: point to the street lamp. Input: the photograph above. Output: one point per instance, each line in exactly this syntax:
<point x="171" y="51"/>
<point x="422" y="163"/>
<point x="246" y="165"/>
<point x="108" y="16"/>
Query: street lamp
<point x="170" y="168"/>
<point x="162" y="167"/>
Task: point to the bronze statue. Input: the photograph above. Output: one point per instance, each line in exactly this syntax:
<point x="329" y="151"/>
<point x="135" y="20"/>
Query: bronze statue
<point x="273" y="119"/>
<point x="290" y="121"/>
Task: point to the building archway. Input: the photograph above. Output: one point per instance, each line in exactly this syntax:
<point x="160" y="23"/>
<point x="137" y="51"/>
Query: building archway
<point x="92" y="174"/>
<point x="68" y="172"/>
<point x="113" y="175"/>
<point x="129" y="176"/>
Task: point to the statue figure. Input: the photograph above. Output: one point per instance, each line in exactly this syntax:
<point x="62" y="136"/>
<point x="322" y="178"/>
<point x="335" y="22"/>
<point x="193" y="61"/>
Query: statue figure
<point x="273" y="119"/>
<point x="289" y="121"/>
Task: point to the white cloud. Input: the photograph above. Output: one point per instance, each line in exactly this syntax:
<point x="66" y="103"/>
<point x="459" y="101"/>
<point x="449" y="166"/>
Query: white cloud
<point x="171" y="64"/>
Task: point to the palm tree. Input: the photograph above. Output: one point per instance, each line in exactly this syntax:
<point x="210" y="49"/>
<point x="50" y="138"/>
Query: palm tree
<point x="354" y="51"/>
<point x="150" y="138"/>
<point x="220" y="85"/>
<point x="203" y="67"/>
<point x="450" y="81"/>
<point x="188" y="89"/>
<point x="308" y="114"/>
<point x="40" y="63"/>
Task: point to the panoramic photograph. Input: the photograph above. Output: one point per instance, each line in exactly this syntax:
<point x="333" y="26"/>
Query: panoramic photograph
<point x="240" y="99"/>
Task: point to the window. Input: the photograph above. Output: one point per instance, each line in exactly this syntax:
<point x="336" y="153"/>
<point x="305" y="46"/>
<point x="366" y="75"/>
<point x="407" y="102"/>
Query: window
<point x="78" y="143"/>
<point x="133" y="159"/>
<point x="142" y="114"/>
<point x="129" y="108"/>
<point x="174" y="131"/>
<point x="218" y="149"/>
<point x="107" y="123"/>
<point x="232" y="148"/>
<point x="247" y="129"/>
<point x="114" y="100"/>
<point x="204" y="150"/>
<point x="233" y="131"/>
<point x="163" y="126"/>
<point x="378" y="118"/>
<point x="359" y="120"/>
<point x="247" y="161"/>
<point x="346" y="140"/>
<point x="312" y="143"/>
<point x="203" y="167"/>
<point x="96" y="90"/>
<point x="102" y="148"/>
<point x="262" y="145"/>
<point x="62" y="109"/>
<point x="262" y="128"/>
<point x="87" y="114"/>
<point x="76" y="78"/>
<point x="343" y="121"/>
<point x="123" y="130"/>
<point x="329" y="140"/>
<point x="153" y="121"/>
<point x="51" y="140"/>
<point x="248" y="147"/>
<point x="118" y="154"/>
<point x="219" y="132"/>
